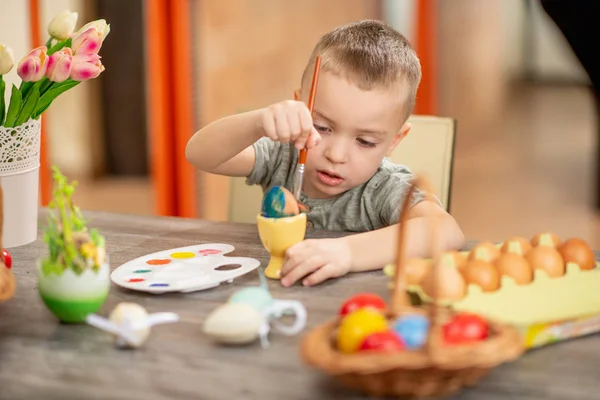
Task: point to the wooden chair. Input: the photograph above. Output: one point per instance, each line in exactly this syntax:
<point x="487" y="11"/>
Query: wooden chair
<point x="427" y="149"/>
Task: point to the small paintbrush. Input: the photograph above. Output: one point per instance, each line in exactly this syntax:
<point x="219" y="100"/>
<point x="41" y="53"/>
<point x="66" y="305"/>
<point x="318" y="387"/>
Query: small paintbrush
<point x="304" y="151"/>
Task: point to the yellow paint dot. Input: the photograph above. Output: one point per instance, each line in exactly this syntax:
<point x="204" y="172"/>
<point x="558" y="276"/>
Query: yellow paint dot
<point x="184" y="254"/>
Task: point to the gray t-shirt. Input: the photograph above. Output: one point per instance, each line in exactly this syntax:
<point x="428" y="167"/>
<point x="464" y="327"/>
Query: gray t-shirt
<point x="374" y="204"/>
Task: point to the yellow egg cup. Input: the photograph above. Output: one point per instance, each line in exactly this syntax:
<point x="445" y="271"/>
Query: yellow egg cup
<point x="277" y="235"/>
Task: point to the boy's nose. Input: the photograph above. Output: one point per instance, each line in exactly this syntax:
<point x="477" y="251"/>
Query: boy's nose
<point x="337" y="152"/>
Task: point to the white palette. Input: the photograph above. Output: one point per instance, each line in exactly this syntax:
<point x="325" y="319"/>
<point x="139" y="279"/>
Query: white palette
<point x="183" y="269"/>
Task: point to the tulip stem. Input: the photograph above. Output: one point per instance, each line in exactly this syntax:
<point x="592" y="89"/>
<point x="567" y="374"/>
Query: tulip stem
<point x="2" y="105"/>
<point x="45" y="85"/>
<point x="59" y="45"/>
<point x="25" y="87"/>
<point x="49" y="42"/>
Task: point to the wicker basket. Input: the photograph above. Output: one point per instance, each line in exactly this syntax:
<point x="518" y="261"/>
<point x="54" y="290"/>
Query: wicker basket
<point x="7" y="278"/>
<point x="435" y="369"/>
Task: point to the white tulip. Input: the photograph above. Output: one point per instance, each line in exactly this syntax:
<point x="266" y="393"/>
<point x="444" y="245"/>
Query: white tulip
<point x="7" y="59"/>
<point x="100" y="24"/>
<point x="62" y="25"/>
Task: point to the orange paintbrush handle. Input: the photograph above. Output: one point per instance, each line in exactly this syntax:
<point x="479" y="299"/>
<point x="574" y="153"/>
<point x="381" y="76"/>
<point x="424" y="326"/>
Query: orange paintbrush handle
<point x="304" y="151"/>
<point x="302" y="157"/>
<point x="311" y="101"/>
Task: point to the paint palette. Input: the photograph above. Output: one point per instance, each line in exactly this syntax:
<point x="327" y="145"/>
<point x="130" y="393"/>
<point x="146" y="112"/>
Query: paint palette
<point x="183" y="269"/>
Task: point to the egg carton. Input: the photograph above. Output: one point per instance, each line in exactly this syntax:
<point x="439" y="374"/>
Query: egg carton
<point x="547" y="310"/>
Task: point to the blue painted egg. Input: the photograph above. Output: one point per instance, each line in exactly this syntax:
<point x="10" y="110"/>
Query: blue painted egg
<point x="279" y="202"/>
<point x="257" y="297"/>
<point x="412" y="329"/>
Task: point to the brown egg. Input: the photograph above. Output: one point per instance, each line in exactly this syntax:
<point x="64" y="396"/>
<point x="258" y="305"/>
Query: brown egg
<point x="460" y="260"/>
<point x="515" y="266"/>
<point x="416" y="268"/>
<point x="516" y="244"/>
<point x="548" y="259"/>
<point x="483" y="274"/>
<point x="546" y="239"/>
<point x="450" y="283"/>
<point x="485" y="251"/>
<point x="577" y="251"/>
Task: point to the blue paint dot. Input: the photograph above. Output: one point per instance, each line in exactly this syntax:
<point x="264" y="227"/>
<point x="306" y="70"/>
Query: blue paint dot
<point x="159" y="284"/>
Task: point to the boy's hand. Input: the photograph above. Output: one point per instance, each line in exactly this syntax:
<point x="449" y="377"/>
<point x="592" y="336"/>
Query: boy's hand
<point x="316" y="260"/>
<point x="289" y="121"/>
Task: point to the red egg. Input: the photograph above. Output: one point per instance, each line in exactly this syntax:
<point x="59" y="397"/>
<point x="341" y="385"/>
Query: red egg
<point x="7" y="258"/>
<point x="465" y="328"/>
<point x="362" y="300"/>
<point x="386" y="341"/>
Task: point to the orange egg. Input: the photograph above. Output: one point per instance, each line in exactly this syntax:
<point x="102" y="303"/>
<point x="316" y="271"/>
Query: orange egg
<point x="446" y="278"/>
<point x="485" y="251"/>
<point x="577" y="251"/>
<point x="483" y="274"/>
<point x="546" y="239"/>
<point x="548" y="259"/>
<point x="516" y="244"/>
<point x="416" y="268"/>
<point x="515" y="266"/>
<point x="460" y="260"/>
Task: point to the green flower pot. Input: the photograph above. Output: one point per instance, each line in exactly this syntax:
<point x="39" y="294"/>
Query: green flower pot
<point x="71" y="297"/>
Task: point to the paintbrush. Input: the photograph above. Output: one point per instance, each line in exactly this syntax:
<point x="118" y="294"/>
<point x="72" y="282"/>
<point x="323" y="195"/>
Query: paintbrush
<point x="304" y="151"/>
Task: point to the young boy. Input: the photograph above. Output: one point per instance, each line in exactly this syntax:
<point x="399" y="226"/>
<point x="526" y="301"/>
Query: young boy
<point x="366" y="92"/>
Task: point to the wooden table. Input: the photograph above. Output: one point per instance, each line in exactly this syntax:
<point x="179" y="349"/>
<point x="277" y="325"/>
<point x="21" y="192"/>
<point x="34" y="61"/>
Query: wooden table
<point x="43" y="359"/>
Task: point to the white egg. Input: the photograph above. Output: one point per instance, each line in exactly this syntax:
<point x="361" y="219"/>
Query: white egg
<point x="234" y="323"/>
<point x="131" y="313"/>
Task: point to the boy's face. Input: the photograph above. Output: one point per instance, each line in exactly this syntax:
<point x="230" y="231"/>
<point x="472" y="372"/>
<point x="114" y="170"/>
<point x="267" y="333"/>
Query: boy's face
<point x="358" y="129"/>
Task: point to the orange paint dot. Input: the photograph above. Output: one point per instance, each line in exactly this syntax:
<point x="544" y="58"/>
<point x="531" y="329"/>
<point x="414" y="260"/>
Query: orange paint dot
<point x="184" y="254"/>
<point x="158" y="262"/>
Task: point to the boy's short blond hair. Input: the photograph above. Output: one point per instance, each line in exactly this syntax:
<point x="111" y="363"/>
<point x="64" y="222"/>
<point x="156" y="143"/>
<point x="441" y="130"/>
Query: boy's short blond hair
<point x="370" y="54"/>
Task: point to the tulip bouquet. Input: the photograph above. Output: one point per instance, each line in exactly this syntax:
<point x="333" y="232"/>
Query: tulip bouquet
<point x="67" y="59"/>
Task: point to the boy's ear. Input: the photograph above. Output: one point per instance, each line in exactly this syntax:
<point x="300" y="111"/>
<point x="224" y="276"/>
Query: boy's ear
<point x="399" y="137"/>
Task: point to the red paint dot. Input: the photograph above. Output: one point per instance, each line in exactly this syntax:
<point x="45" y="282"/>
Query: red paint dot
<point x="207" y="252"/>
<point x="159" y="261"/>
<point x="135" y="280"/>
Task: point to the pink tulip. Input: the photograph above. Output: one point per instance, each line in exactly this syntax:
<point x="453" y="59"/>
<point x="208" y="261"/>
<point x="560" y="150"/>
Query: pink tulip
<point x="33" y="66"/>
<point x="85" y="67"/>
<point x="59" y="65"/>
<point x="87" y="42"/>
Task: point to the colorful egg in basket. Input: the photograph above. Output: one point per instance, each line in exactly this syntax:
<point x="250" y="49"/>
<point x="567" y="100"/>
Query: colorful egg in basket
<point x="405" y="350"/>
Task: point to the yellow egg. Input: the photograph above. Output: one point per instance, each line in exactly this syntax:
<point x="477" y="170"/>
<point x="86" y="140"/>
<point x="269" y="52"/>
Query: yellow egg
<point x="356" y="326"/>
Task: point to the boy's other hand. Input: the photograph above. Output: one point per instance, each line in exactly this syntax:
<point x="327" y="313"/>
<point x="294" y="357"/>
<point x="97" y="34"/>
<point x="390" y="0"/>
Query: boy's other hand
<point x="316" y="260"/>
<point x="289" y="121"/>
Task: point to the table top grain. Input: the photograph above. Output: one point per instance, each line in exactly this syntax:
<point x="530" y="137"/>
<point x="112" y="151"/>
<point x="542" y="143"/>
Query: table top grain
<point x="42" y="358"/>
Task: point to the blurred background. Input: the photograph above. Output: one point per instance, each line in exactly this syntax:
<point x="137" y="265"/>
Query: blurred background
<point x="527" y="124"/>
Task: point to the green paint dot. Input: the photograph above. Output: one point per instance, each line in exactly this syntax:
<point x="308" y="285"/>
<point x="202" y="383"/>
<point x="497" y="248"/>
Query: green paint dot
<point x="142" y="271"/>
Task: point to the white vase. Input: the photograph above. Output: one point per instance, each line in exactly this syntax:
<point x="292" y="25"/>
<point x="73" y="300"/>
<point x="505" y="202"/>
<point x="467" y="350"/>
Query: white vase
<point x="19" y="176"/>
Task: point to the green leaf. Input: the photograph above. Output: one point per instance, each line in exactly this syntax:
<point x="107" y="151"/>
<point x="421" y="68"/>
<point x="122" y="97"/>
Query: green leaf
<point x="53" y="93"/>
<point x="29" y="106"/>
<point x="2" y="105"/>
<point x="13" y="108"/>
<point x="25" y="88"/>
<point x="44" y="85"/>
